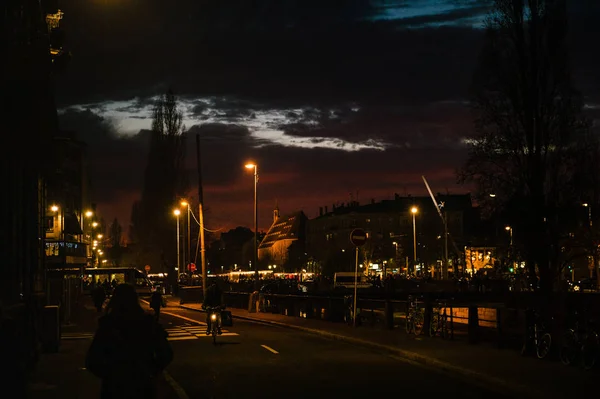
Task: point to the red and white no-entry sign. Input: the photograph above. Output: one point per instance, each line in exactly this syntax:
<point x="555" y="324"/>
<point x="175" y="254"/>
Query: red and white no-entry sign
<point x="358" y="237"/>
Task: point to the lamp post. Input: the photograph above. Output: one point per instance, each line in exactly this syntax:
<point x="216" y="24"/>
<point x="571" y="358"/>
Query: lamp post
<point x="395" y="254"/>
<point x="177" y="212"/>
<point x="255" y="262"/>
<point x="589" y="207"/>
<point x="189" y="240"/>
<point x="510" y="232"/>
<point x="414" y="211"/>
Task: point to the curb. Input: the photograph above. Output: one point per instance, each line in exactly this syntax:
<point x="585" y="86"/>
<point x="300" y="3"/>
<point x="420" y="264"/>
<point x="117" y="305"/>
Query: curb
<point x="485" y="380"/>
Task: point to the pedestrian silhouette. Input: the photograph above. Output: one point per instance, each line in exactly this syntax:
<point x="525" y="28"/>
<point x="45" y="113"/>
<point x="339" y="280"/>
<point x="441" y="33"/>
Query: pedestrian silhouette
<point x="99" y="296"/>
<point x="130" y="349"/>
<point x="156" y="301"/>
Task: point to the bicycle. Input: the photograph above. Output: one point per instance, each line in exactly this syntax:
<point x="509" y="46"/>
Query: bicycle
<point x="215" y="322"/>
<point x="580" y="343"/>
<point x="439" y="322"/>
<point x="538" y="335"/>
<point x="414" y="317"/>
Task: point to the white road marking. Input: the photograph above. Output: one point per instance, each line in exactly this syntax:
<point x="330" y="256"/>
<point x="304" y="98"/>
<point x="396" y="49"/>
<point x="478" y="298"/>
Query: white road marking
<point x="225" y="334"/>
<point x="181" y="394"/>
<point x="185" y="318"/>
<point x="181" y="338"/>
<point x="270" y="349"/>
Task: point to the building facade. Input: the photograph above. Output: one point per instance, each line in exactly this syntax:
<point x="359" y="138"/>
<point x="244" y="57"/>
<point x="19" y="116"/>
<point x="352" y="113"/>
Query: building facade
<point x="69" y="222"/>
<point x="283" y="246"/>
<point x="391" y="234"/>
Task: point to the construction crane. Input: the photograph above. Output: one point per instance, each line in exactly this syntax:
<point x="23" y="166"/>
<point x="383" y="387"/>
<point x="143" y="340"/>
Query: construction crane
<point x="439" y="208"/>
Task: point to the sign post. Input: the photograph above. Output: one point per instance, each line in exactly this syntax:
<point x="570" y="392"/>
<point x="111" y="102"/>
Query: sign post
<point x="358" y="237"/>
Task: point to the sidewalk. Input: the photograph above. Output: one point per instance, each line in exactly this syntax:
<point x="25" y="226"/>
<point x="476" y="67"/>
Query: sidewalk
<point x="63" y="374"/>
<point x="504" y="369"/>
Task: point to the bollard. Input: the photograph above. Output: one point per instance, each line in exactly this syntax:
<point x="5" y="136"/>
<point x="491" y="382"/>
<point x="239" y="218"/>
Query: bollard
<point x="428" y="314"/>
<point x="389" y="315"/>
<point x="473" y="326"/>
<point x="499" y="325"/>
<point x="51" y="328"/>
<point x="252" y="302"/>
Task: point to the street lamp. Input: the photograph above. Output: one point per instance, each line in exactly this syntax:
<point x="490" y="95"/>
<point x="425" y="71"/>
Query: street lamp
<point x="589" y="207"/>
<point x="510" y="230"/>
<point x="414" y="211"/>
<point x="189" y="246"/>
<point x="255" y="167"/>
<point x="89" y="214"/>
<point x="177" y="212"/>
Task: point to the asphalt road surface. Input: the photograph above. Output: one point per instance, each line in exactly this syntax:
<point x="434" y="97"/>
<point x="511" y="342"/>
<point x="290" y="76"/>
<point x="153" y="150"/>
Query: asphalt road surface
<point x="254" y="360"/>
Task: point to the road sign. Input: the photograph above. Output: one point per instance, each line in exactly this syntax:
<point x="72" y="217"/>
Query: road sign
<point x="147" y="268"/>
<point x="358" y="237"/>
<point x="192" y="267"/>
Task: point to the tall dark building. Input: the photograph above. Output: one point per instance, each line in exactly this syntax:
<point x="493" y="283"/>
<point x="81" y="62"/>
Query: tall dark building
<point x="69" y="219"/>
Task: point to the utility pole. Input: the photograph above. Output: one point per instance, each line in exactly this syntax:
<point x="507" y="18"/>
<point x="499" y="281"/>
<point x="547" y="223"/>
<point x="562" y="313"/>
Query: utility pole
<point x="189" y="235"/>
<point x="201" y="216"/>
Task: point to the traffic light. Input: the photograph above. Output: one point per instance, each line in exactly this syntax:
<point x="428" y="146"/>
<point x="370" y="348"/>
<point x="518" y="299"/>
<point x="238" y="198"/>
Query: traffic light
<point x="512" y="270"/>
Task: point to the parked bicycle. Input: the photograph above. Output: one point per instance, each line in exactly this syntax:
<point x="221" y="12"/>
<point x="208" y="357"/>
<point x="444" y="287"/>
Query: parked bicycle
<point x="538" y="338"/>
<point x="414" y="317"/>
<point x="439" y="324"/>
<point x="580" y="343"/>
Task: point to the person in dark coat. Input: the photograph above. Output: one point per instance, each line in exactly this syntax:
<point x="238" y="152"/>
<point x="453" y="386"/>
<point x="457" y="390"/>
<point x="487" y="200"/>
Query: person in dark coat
<point x="130" y="349"/>
<point x="214" y="299"/>
<point x="99" y="296"/>
<point x="156" y="301"/>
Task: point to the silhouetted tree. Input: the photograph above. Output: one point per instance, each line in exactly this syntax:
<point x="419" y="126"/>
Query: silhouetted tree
<point x="527" y="124"/>
<point x="164" y="183"/>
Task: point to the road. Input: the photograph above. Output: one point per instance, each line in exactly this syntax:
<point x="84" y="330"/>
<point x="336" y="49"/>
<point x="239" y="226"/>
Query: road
<point x="253" y="360"/>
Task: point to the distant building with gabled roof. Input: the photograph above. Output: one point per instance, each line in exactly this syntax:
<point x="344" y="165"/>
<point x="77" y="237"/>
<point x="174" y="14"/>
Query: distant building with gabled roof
<point x="285" y="231"/>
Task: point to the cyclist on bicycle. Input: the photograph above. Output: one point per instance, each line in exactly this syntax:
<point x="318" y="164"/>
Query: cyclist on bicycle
<point x="213" y="300"/>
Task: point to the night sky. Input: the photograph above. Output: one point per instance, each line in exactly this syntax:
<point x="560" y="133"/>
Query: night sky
<point x="329" y="100"/>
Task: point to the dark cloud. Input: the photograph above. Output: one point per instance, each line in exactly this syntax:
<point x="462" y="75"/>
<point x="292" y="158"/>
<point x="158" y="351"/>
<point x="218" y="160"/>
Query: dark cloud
<point x="335" y="77"/>
<point x="116" y="163"/>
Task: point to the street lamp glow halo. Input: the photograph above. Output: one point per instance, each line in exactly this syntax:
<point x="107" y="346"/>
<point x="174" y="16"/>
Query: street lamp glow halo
<point x="176" y="212"/>
<point x="184" y="203"/>
<point x="507" y="228"/>
<point x="54" y="208"/>
<point x="414" y="209"/>
<point x="250" y="166"/>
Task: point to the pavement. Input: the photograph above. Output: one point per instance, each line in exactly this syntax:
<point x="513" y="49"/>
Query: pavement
<point x="502" y="371"/>
<point x="274" y="356"/>
<point x="267" y="361"/>
<point x="63" y="374"/>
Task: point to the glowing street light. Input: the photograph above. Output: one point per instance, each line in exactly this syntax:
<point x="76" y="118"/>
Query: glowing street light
<point x="414" y="211"/>
<point x="255" y="263"/>
<point x="186" y="204"/>
<point x="177" y="212"/>
<point x="510" y="230"/>
<point x="54" y="208"/>
<point x="89" y="214"/>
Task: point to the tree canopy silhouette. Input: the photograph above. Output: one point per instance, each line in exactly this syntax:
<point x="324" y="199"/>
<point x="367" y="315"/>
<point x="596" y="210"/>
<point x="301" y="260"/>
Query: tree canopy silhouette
<point x="528" y="124"/>
<point x="165" y="182"/>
